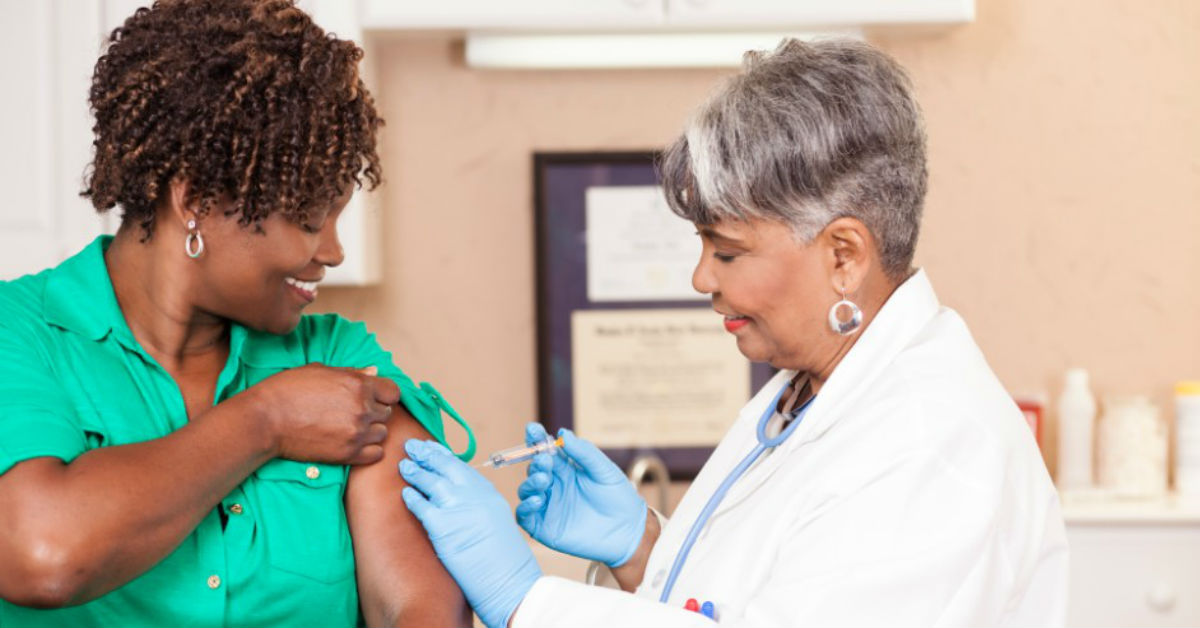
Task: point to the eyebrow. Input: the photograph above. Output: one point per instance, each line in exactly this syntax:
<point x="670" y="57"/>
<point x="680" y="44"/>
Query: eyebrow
<point x="713" y="234"/>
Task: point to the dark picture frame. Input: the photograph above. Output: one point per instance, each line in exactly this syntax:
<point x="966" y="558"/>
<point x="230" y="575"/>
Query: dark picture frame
<point x="561" y="180"/>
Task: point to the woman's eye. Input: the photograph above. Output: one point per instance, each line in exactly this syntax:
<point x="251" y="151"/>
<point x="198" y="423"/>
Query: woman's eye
<point x="310" y="228"/>
<point x="721" y="257"/>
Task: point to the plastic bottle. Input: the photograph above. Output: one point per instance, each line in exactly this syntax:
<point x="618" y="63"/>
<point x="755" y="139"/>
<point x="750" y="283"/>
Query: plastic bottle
<point x="1076" y="427"/>
<point x="1187" y="439"/>
<point x="1131" y="448"/>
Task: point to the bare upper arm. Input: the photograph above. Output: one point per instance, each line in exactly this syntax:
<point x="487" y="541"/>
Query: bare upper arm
<point x="400" y="579"/>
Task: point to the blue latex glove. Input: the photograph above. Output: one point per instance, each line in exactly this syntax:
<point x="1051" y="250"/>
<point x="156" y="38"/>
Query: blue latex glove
<point x="471" y="528"/>
<point x="580" y="503"/>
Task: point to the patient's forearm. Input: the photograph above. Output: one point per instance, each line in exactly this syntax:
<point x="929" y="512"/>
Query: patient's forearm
<point x="73" y="532"/>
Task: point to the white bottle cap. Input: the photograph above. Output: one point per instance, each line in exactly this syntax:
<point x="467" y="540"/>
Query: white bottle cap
<point x="1077" y="377"/>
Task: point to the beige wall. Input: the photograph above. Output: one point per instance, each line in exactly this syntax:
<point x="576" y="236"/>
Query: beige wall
<point x="1061" y="221"/>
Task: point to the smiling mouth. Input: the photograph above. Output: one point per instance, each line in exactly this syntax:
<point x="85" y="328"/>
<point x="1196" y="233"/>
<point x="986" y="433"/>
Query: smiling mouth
<point x="307" y="289"/>
<point x="734" y="323"/>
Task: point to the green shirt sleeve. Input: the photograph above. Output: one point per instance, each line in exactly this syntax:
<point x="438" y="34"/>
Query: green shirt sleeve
<point x="349" y="344"/>
<point x="36" y="419"/>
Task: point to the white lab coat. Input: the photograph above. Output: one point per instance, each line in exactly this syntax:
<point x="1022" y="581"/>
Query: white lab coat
<point x="913" y="494"/>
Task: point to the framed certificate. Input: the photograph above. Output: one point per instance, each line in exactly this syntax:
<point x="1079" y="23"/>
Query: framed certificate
<point x="629" y="355"/>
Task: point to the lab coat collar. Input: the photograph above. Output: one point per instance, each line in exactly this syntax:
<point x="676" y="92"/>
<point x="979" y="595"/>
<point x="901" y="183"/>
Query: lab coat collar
<point x="906" y="312"/>
<point x="910" y="308"/>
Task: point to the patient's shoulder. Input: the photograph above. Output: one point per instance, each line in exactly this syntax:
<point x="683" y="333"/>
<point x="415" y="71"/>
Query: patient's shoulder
<point x="21" y="301"/>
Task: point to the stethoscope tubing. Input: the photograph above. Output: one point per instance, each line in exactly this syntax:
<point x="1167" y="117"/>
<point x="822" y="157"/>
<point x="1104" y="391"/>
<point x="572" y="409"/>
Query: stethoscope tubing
<point x="764" y="443"/>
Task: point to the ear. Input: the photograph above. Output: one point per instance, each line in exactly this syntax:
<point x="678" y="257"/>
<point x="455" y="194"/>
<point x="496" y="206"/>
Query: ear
<point x="852" y="247"/>
<point x="178" y="210"/>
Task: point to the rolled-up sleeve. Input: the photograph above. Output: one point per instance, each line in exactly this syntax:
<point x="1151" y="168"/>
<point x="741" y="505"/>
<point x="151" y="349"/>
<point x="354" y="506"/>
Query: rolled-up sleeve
<point x="349" y="344"/>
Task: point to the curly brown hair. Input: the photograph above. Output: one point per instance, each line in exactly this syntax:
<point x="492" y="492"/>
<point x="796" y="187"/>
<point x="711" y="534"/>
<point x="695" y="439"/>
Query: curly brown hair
<point x="248" y="101"/>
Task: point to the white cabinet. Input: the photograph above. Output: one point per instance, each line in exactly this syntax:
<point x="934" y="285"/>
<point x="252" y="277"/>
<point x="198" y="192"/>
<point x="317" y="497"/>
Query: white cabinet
<point x="1134" y="565"/>
<point x="636" y="15"/>
<point x="49" y="48"/>
<point x="511" y="14"/>
<point x="575" y="34"/>
<point x="760" y="13"/>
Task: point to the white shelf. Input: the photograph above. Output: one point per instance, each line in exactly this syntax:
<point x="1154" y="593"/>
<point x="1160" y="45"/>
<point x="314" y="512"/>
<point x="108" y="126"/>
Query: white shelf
<point x="1098" y="508"/>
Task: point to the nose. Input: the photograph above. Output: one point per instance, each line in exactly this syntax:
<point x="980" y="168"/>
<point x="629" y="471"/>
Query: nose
<point x="330" y="252"/>
<point x="703" y="280"/>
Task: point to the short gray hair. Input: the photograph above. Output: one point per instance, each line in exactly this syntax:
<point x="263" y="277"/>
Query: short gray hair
<point x="807" y="134"/>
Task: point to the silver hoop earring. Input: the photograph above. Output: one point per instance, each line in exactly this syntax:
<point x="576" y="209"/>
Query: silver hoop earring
<point x="850" y="325"/>
<point x="193" y="245"/>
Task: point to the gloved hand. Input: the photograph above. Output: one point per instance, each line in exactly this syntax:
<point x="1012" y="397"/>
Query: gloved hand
<point x="471" y="528"/>
<point x="580" y="503"/>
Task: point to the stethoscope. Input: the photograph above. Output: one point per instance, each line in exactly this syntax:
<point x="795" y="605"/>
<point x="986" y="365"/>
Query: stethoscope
<point x="764" y="444"/>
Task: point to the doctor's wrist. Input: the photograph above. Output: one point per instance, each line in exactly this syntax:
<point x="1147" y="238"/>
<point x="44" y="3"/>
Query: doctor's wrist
<point x="637" y="532"/>
<point x="630" y="572"/>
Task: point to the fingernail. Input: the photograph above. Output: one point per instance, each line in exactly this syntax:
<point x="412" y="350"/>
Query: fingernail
<point x="407" y="466"/>
<point x="371" y="370"/>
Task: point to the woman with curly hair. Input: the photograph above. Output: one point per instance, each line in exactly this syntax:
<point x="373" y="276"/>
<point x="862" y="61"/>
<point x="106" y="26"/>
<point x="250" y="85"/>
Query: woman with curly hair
<point x="179" y="445"/>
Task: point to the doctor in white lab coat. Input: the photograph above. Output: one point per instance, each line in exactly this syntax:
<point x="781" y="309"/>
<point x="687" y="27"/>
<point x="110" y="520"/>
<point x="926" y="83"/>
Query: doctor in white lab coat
<point x="883" y="477"/>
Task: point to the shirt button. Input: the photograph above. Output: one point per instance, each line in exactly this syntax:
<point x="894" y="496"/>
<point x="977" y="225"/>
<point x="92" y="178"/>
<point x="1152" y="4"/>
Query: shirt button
<point x="214" y="581"/>
<point x="312" y="473"/>
<point x="236" y="509"/>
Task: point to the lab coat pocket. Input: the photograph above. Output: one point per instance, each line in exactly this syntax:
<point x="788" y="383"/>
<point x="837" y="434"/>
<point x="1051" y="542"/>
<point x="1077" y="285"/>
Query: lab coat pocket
<point x="302" y="519"/>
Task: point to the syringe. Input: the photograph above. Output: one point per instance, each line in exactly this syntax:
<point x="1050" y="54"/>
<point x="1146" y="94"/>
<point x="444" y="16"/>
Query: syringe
<point x="520" y="453"/>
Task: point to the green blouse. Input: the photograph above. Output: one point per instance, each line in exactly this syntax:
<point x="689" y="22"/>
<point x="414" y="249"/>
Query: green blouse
<point x="73" y="378"/>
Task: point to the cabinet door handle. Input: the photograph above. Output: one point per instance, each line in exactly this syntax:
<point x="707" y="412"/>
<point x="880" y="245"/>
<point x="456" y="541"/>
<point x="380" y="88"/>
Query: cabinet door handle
<point x="1161" y="597"/>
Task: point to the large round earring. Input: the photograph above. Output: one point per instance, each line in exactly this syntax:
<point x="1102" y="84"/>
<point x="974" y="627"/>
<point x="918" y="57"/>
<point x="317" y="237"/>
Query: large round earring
<point x="193" y="245"/>
<point x="850" y="325"/>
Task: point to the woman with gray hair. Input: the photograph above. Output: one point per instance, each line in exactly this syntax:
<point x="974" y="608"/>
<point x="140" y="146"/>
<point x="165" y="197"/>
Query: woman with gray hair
<point x="883" y="477"/>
